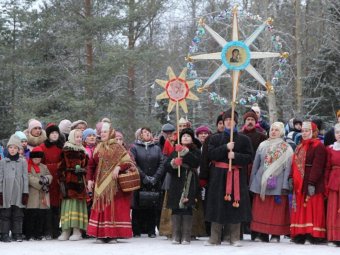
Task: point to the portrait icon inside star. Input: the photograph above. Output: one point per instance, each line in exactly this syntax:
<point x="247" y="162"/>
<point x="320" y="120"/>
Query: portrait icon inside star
<point x="235" y="56"/>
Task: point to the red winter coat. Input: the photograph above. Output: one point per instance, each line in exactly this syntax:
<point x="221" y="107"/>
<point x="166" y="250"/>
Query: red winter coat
<point x="52" y="159"/>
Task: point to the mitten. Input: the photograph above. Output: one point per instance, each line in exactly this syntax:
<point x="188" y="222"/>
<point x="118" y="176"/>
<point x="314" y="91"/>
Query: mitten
<point x="183" y="152"/>
<point x="146" y="180"/>
<point x="45" y="188"/>
<point x="178" y="161"/>
<point x="179" y="147"/>
<point x="1" y="200"/>
<point x="24" y="199"/>
<point x="311" y="190"/>
<point x="203" y="183"/>
<point x="43" y="180"/>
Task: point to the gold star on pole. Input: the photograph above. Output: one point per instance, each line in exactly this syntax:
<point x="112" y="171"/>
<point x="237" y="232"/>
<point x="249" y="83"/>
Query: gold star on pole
<point x="177" y="90"/>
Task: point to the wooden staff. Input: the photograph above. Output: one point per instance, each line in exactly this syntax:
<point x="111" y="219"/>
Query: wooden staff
<point x="178" y="142"/>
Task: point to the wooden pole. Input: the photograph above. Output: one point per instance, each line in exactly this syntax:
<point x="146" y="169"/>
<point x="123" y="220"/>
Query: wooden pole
<point x="178" y="141"/>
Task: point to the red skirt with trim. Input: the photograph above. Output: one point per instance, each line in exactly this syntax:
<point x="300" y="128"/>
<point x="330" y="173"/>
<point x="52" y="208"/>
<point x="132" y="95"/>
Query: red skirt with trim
<point x="309" y="219"/>
<point x="333" y="216"/>
<point x="270" y="217"/>
<point x="101" y="224"/>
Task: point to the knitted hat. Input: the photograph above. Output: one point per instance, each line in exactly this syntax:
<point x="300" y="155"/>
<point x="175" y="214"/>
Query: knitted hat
<point x="188" y="131"/>
<point x="37" y="152"/>
<point x="65" y="126"/>
<point x="21" y="135"/>
<point x="33" y="123"/>
<point x="201" y="129"/>
<point x="256" y="108"/>
<point x="51" y="127"/>
<point x="168" y="127"/>
<point x="14" y="140"/>
<point x="87" y="132"/>
<point x="250" y="114"/>
<point x="106" y="126"/>
<point x="227" y="114"/>
<point x="106" y="120"/>
<point x="219" y="118"/>
<point x="76" y="123"/>
<point x="280" y="126"/>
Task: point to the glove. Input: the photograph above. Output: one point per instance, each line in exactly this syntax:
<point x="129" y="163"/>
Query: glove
<point x="43" y="180"/>
<point x="290" y="184"/>
<point x="153" y="181"/>
<point x="1" y="199"/>
<point x="45" y="188"/>
<point x="147" y="179"/>
<point x="24" y="199"/>
<point x="311" y="190"/>
<point x="179" y="147"/>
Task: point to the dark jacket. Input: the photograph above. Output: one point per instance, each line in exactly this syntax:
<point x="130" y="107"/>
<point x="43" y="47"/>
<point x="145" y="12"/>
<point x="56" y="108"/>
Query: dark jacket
<point x="218" y="210"/>
<point x="191" y="162"/>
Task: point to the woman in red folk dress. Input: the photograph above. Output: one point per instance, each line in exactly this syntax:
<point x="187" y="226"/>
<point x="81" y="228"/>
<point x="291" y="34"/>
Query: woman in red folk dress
<point x="308" y="223"/>
<point x="110" y="213"/>
<point x="332" y="180"/>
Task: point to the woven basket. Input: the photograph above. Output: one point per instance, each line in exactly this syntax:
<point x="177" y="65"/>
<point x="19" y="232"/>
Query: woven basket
<point x="129" y="180"/>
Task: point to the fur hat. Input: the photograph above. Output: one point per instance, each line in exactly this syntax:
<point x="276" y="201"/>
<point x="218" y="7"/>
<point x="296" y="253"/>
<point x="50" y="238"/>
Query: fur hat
<point x="14" y="140"/>
<point x="21" y="135"/>
<point x="188" y="131"/>
<point x="201" y="129"/>
<point x="33" y="123"/>
<point x="168" y="127"/>
<point x="76" y="123"/>
<point x="87" y="132"/>
<point x="37" y="152"/>
<point x="250" y="114"/>
<point x="227" y="114"/>
<point x="219" y="118"/>
<point x="51" y="127"/>
<point x="65" y="126"/>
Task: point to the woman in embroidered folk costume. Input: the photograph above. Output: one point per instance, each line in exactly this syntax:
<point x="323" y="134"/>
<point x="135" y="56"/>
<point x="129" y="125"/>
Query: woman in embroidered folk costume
<point x="269" y="182"/>
<point x="184" y="189"/>
<point x="72" y="184"/>
<point x="308" y="214"/>
<point x="332" y="180"/>
<point x="110" y="213"/>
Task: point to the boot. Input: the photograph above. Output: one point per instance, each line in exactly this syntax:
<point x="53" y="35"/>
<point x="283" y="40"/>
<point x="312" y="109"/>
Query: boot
<point x="76" y="235"/>
<point x="235" y="235"/>
<point x="65" y="235"/>
<point x="176" y="228"/>
<point x="186" y="229"/>
<point x="17" y="237"/>
<point x="6" y="238"/>
<point x="215" y="235"/>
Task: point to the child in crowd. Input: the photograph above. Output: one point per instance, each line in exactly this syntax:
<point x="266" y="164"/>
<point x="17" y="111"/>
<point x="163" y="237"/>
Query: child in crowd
<point x="13" y="191"/>
<point x="39" y="198"/>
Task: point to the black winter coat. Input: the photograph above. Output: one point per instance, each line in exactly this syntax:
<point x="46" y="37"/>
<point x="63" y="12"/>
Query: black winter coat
<point x="218" y="210"/>
<point x="191" y="162"/>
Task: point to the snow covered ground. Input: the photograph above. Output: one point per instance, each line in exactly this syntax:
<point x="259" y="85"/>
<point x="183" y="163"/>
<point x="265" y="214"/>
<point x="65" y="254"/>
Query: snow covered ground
<point x="160" y="246"/>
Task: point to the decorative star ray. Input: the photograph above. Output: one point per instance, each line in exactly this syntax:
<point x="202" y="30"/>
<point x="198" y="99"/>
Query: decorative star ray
<point x="243" y="49"/>
<point x="177" y="89"/>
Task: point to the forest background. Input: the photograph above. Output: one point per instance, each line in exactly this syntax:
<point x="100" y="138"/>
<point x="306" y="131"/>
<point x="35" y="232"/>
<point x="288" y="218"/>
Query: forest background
<point x="89" y="59"/>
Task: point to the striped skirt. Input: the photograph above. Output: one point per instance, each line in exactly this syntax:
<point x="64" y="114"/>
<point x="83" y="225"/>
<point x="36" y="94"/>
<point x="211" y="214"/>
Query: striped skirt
<point x="73" y="214"/>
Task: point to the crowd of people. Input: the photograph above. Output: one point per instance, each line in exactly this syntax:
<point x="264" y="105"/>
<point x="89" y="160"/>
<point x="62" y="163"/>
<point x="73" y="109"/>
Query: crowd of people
<point x="269" y="181"/>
